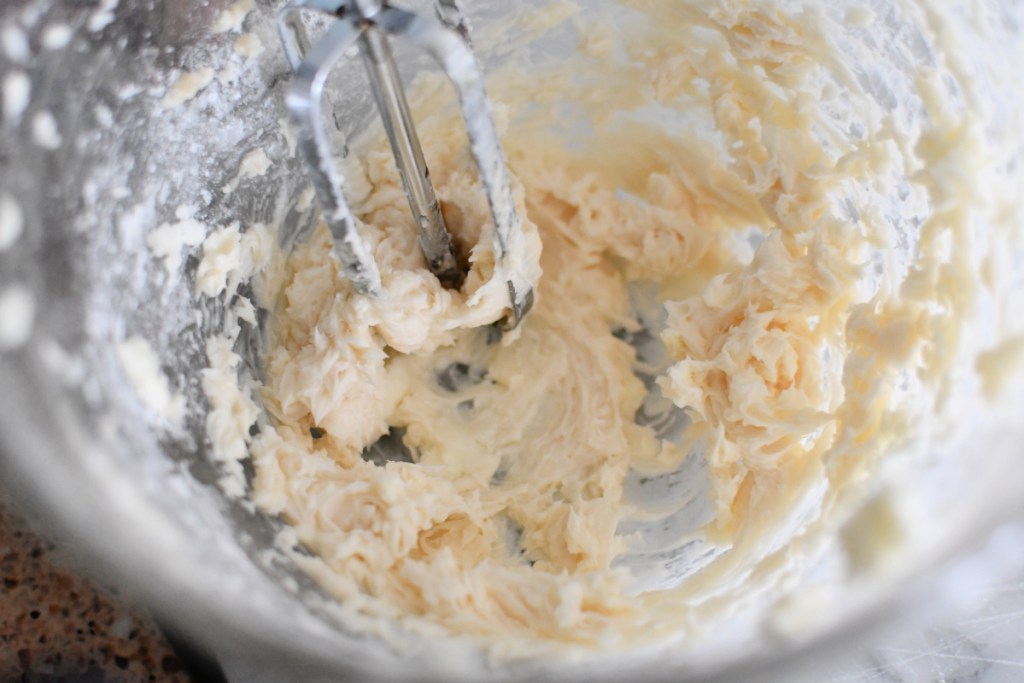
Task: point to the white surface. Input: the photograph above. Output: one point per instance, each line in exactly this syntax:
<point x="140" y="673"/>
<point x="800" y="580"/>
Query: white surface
<point x="979" y="640"/>
<point x="983" y="644"/>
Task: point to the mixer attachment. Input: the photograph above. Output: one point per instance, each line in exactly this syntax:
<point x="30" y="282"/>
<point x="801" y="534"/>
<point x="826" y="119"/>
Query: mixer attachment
<point x="368" y="24"/>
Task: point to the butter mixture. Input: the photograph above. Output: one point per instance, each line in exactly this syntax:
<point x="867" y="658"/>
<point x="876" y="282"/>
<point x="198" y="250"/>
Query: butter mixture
<point x="818" y="193"/>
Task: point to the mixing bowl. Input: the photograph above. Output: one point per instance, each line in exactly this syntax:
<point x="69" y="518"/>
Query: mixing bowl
<point x="121" y="118"/>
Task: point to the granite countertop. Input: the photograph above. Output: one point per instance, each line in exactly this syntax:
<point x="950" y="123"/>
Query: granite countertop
<point x="57" y="627"/>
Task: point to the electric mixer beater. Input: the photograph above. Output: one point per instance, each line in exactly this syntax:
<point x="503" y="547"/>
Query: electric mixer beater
<point x="369" y="24"/>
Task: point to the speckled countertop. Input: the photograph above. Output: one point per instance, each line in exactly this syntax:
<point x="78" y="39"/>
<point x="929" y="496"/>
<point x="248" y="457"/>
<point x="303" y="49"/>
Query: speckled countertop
<point x="57" y="627"/>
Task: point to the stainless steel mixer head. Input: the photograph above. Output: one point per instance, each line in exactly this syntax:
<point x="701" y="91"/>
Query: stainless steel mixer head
<point x="368" y="25"/>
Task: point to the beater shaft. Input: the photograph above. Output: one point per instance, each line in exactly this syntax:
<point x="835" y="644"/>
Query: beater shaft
<point x="412" y="168"/>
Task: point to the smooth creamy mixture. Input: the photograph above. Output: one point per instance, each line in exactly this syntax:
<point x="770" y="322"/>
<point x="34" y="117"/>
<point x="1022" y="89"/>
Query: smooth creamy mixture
<point x="818" y="196"/>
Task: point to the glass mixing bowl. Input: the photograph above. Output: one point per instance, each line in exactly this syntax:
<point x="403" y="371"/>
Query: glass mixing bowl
<point x="141" y="499"/>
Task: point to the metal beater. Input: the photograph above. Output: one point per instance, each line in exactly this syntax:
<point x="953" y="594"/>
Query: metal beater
<point x="369" y="24"/>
